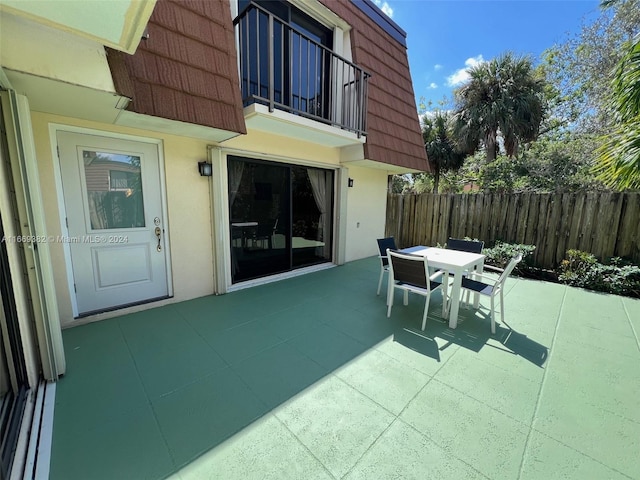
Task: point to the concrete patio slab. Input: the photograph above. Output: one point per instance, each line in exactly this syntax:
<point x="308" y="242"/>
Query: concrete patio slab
<point x="308" y="378"/>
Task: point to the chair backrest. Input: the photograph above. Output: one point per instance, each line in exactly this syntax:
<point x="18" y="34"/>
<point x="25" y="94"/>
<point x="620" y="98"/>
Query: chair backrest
<point x="471" y="246"/>
<point x="265" y="229"/>
<point x="383" y="245"/>
<point x="408" y="268"/>
<point x="507" y="271"/>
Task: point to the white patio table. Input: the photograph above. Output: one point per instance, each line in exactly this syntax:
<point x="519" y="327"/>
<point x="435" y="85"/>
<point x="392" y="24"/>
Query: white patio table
<point x="453" y="261"/>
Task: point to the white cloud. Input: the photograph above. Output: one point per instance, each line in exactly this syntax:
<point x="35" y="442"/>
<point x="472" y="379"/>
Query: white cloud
<point x="433" y="85"/>
<point x="385" y="7"/>
<point x="462" y="75"/>
<point x="437" y="66"/>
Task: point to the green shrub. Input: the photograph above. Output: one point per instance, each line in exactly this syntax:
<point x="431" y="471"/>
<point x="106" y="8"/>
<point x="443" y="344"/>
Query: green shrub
<point x="501" y="254"/>
<point x="582" y="269"/>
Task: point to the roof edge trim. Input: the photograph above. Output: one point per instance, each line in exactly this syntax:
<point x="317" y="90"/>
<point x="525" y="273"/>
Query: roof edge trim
<point x="382" y="20"/>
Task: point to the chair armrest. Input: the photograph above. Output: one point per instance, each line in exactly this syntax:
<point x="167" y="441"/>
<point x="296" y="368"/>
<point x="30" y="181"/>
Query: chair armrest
<point x="439" y="273"/>
<point x="492" y="268"/>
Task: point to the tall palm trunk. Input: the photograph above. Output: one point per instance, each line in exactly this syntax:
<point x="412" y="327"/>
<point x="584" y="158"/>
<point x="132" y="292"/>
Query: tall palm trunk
<point x="436" y="179"/>
<point x="490" y="145"/>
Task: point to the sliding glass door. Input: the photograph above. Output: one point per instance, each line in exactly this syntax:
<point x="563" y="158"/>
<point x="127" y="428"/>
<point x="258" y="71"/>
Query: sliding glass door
<point x="281" y="217"/>
<point x="13" y="370"/>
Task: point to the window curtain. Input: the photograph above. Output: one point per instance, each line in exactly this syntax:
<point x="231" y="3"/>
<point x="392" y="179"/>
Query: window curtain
<point x="235" y="177"/>
<point x="318" y="179"/>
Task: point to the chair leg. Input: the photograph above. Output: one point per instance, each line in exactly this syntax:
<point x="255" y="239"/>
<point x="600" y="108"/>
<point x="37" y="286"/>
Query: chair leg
<point x="390" y="293"/>
<point x="380" y="281"/>
<point x="426" y="311"/>
<point x="501" y="306"/>
<point x="406" y="298"/>
<point x="493" y="314"/>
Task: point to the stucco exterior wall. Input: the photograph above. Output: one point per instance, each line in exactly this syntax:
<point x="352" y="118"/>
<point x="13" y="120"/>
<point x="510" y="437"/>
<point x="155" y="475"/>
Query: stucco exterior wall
<point x="286" y="148"/>
<point x="189" y="201"/>
<point x="366" y="212"/>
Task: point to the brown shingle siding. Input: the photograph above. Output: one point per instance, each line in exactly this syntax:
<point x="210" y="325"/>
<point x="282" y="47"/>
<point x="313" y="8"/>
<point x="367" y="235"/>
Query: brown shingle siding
<point x="186" y="70"/>
<point x="393" y="132"/>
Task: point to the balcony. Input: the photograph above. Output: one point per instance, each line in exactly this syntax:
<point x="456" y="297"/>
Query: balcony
<point x="285" y="69"/>
<point x="308" y="378"/>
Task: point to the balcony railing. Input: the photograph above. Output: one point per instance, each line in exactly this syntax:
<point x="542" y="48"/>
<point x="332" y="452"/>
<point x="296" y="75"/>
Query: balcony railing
<point x="285" y="69"/>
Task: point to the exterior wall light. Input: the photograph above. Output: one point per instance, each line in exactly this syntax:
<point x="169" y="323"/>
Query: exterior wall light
<point x="350" y="183"/>
<point x="205" y="169"/>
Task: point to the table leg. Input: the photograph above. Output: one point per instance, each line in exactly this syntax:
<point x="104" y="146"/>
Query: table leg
<point x="455" y="299"/>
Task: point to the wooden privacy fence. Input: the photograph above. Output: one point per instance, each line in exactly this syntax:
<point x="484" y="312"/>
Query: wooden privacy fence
<point x="604" y="224"/>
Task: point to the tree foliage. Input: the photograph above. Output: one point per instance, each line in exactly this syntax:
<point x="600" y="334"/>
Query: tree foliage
<point x="590" y="109"/>
<point x="619" y="164"/>
<point x="441" y="147"/>
<point x="503" y="97"/>
<point x="579" y="70"/>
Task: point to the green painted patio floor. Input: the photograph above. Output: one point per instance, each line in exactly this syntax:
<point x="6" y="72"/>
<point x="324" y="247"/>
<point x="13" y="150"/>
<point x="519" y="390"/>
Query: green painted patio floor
<point x="307" y="379"/>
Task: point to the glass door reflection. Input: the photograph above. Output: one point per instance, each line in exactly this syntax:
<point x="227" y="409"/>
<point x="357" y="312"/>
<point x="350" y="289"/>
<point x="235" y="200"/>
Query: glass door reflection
<point x="281" y="217"/>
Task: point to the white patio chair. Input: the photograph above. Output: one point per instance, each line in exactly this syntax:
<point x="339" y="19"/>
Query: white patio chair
<point x="410" y="273"/>
<point x="491" y="288"/>
<point x="383" y="244"/>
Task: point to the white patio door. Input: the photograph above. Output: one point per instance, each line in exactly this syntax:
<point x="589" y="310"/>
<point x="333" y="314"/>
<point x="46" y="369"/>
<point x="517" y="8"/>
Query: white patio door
<point x="113" y="201"/>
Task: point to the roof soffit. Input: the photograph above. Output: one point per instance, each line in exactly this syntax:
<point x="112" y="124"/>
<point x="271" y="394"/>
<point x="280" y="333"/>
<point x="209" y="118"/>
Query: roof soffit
<point x="118" y="24"/>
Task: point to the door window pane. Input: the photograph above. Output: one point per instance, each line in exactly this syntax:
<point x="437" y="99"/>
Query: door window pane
<point x="114" y="190"/>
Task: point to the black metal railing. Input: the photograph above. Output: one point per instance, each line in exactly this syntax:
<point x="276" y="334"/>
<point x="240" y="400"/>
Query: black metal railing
<point x="285" y="69"/>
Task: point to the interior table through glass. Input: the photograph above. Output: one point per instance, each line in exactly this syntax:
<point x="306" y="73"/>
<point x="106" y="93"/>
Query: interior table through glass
<point x="453" y="261"/>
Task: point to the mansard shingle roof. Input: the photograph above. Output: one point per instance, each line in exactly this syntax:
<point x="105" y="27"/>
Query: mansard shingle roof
<point x="186" y="69"/>
<point x="393" y="127"/>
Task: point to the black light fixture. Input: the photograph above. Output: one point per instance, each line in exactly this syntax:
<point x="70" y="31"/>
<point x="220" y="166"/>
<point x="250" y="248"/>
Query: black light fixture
<point x="350" y="183"/>
<point x="205" y="169"/>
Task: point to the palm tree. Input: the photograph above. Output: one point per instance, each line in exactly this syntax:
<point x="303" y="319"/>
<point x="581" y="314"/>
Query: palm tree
<point x="619" y="164"/>
<point x="442" y="150"/>
<point x="503" y="98"/>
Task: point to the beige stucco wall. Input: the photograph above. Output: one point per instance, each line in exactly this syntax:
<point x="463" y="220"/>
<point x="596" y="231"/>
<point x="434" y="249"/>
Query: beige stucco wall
<point x="189" y="204"/>
<point x="282" y="148"/>
<point x="189" y="215"/>
<point x="366" y="211"/>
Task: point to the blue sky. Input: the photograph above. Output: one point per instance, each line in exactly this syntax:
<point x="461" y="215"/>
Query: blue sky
<point x="446" y="36"/>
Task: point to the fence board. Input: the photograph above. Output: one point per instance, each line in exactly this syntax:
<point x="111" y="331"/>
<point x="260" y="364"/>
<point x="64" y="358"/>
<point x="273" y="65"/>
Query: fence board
<point x="464" y="216"/>
<point x="628" y="238"/>
<point x="605" y="224"/>
<point x="615" y="212"/>
<point x="564" y="228"/>
<point x="588" y="216"/>
<point x="575" y="231"/>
